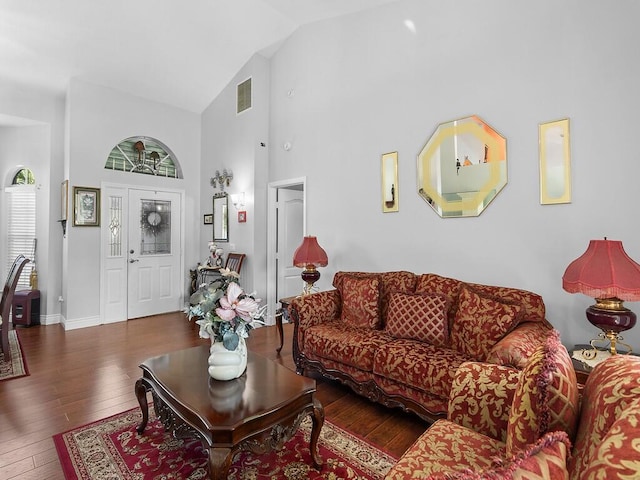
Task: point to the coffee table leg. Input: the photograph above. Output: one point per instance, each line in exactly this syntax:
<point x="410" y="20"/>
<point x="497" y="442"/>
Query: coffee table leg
<point x="219" y="463"/>
<point x="141" y="394"/>
<point x="318" y="421"/>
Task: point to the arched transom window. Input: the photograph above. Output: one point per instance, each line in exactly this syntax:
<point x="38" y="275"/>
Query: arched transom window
<point x="144" y="155"/>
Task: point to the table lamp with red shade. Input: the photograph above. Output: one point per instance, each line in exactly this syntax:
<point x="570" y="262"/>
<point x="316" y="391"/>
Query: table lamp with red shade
<point x="606" y="273"/>
<point x="310" y="255"/>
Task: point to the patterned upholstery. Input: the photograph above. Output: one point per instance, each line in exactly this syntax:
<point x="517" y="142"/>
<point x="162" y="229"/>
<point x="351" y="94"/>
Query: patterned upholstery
<point x="471" y="407"/>
<point x="400" y="281"/>
<point x="309" y="310"/>
<point x="618" y="455"/>
<point x="449" y="287"/>
<point x="515" y="349"/>
<point x="427" y="400"/>
<point x="346" y="335"/>
<point x="532" y="304"/>
<point x="345" y="344"/>
<point x="419" y="317"/>
<point x="606" y="446"/>
<point x="546" y="396"/>
<point x="609" y="421"/>
<point x="481" y="322"/>
<point x="446" y="447"/>
<point x="488" y="404"/>
<point x="419" y="365"/>
<point x="361" y="301"/>
<point x="544" y="460"/>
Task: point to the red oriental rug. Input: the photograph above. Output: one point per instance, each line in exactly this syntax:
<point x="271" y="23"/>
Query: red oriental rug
<point x="16" y="366"/>
<point x="112" y="449"/>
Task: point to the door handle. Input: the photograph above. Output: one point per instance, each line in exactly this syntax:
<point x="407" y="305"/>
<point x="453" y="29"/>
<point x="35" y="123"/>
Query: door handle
<point x="133" y="260"/>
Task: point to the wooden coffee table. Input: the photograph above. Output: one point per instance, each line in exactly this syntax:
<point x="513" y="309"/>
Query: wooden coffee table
<point x="259" y="411"/>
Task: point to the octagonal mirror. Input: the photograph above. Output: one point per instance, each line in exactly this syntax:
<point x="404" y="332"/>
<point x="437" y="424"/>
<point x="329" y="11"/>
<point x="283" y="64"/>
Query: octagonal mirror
<point x="462" y="167"/>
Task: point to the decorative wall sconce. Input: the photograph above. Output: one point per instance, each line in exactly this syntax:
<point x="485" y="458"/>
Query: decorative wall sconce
<point x="222" y="179"/>
<point x="238" y="200"/>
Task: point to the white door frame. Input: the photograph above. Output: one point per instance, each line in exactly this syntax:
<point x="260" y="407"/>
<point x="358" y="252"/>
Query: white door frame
<point x="272" y="195"/>
<point x="125" y="257"/>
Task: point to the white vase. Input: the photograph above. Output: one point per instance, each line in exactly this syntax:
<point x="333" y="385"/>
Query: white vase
<point x="226" y="364"/>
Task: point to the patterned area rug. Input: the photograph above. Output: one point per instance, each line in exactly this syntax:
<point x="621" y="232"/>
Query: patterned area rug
<point x="112" y="449"/>
<point x="17" y="367"/>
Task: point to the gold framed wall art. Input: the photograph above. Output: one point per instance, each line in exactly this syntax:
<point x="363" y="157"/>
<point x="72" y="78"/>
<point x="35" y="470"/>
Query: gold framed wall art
<point x="555" y="162"/>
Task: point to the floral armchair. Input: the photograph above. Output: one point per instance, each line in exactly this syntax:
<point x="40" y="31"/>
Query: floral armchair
<point x="497" y="415"/>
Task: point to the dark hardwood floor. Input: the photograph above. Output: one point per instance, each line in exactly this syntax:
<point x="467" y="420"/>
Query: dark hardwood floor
<point x="87" y="374"/>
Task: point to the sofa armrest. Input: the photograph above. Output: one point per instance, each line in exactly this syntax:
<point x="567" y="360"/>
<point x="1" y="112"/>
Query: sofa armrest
<point x="314" y="309"/>
<point x="518" y="345"/>
<point x="481" y="397"/>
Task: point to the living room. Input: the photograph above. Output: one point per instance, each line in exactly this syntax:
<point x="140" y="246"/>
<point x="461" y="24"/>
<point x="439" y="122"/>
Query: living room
<point x="344" y="91"/>
<point x="340" y="93"/>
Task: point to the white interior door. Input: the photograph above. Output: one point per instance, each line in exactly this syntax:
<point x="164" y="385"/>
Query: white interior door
<point x="153" y="255"/>
<point x="290" y="230"/>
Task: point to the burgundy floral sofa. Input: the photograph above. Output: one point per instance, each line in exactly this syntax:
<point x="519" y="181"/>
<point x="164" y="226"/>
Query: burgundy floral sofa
<point x="469" y="445"/>
<point x="398" y="338"/>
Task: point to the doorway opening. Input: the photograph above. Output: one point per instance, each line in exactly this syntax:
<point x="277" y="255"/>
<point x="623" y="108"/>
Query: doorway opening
<point x="286" y="227"/>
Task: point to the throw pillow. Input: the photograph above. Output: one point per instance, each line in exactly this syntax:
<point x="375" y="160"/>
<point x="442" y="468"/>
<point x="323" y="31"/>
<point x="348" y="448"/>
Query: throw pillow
<point x="419" y="317"/>
<point x="480" y="323"/>
<point x="546" y="396"/>
<point x="361" y="301"/>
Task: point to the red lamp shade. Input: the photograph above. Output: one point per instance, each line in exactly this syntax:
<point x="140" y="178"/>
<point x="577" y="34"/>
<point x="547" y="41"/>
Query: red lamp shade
<point x="606" y="273"/>
<point x="310" y="255"/>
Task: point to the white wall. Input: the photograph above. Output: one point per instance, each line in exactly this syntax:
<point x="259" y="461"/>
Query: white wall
<point x="367" y="84"/>
<point x="42" y="150"/>
<point x="234" y="142"/>
<point x="98" y="119"/>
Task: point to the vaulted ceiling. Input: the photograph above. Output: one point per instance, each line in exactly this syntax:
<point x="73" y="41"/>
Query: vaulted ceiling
<point x="181" y="53"/>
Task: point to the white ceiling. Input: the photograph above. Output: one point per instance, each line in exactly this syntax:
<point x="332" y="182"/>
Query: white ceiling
<point x="181" y="53"/>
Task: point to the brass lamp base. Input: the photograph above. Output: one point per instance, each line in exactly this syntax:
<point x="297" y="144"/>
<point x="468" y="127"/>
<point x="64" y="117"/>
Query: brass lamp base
<point x="611" y="340"/>
<point x="610" y="316"/>
<point x="310" y="275"/>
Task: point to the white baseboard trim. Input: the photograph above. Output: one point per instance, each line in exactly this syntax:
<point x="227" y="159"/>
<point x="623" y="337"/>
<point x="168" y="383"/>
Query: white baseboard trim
<point x="51" y="319"/>
<point x="81" y="323"/>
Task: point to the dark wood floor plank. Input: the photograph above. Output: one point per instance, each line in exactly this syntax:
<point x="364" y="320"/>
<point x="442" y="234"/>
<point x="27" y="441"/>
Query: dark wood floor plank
<point x="83" y="375"/>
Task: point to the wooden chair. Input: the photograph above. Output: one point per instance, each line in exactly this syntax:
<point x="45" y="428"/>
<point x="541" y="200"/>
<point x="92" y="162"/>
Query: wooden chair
<point x="7" y="300"/>
<point x="234" y="262"/>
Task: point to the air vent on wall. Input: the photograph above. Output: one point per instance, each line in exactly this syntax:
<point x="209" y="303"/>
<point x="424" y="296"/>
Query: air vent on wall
<point x="243" y="99"/>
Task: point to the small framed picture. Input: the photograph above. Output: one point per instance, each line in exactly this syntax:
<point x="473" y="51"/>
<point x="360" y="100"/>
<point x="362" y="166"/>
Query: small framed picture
<point x="208" y="219"/>
<point x="242" y="216"/>
<point x="86" y="207"/>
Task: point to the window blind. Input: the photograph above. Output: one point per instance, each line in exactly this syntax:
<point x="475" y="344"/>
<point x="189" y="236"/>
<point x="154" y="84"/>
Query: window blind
<point x="21" y="217"/>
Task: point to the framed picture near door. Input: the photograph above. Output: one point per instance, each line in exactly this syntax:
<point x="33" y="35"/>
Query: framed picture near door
<point x="86" y="207"/>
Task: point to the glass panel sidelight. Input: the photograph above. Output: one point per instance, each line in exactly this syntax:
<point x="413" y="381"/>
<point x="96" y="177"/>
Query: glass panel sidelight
<point x="115" y="226"/>
<point x="155" y="227"/>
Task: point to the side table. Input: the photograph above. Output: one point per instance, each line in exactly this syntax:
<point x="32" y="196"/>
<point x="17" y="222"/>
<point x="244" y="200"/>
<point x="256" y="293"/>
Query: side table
<point x="283" y="311"/>
<point x="582" y="368"/>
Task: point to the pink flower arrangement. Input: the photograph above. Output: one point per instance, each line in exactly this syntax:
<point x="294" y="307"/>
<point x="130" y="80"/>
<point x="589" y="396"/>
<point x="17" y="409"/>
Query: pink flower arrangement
<point x="225" y="312"/>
